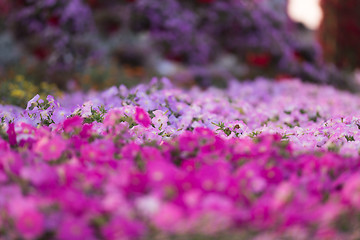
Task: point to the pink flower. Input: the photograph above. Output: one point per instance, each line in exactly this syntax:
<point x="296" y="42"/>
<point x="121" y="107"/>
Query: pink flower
<point x="73" y="228"/>
<point x="160" y="172"/>
<point x="216" y="202"/>
<point x="11" y="134"/>
<point x="113" y="200"/>
<point x="187" y="142"/>
<point x="71" y="123"/>
<point x="11" y="161"/>
<point x="40" y="175"/>
<point x="169" y="218"/>
<point x="130" y="151"/>
<point x="283" y="194"/>
<point x="351" y="191"/>
<point x="214" y="215"/>
<point x="112" y="116"/>
<point x="4" y="146"/>
<point x="98" y="151"/>
<point x="217" y="145"/>
<point x="30" y="223"/>
<point x="142" y="117"/>
<point x="120" y="228"/>
<point x="86" y="130"/>
<point x="213" y="177"/>
<point x="50" y="148"/>
<point x="90" y="153"/>
<point x="151" y="154"/>
<point x="205" y="136"/>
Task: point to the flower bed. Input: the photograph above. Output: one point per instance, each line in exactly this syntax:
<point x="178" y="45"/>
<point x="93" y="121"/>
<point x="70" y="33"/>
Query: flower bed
<point x="307" y="115"/>
<point x="155" y="162"/>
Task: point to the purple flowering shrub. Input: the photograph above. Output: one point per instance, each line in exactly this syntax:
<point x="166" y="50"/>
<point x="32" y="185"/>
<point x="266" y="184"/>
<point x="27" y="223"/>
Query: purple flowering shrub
<point x="269" y="161"/>
<point x="184" y="30"/>
<point x="52" y="30"/>
<point x="70" y="35"/>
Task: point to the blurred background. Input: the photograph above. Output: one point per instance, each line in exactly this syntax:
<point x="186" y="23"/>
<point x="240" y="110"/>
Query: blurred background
<point x="49" y="46"/>
<point x="307" y="12"/>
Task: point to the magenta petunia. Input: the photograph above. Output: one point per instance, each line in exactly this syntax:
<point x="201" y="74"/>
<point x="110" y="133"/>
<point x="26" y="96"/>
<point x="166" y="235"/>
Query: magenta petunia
<point x="71" y="123"/>
<point x="121" y="228"/>
<point x="30" y="223"/>
<point x="169" y="218"/>
<point x="4" y="145"/>
<point x="188" y="142"/>
<point x="12" y="134"/>
<point x="142" y="117"/>
<point x="351" y="191"/>
<point x="74" y="228"/>
<point x="50" y="148"/>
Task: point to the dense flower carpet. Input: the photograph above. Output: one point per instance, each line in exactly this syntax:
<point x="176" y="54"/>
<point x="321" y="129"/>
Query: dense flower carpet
<point x="258" y="160"/>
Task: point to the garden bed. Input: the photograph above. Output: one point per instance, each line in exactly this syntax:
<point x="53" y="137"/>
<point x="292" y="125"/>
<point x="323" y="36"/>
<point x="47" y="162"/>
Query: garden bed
<point x="259" y="160"/>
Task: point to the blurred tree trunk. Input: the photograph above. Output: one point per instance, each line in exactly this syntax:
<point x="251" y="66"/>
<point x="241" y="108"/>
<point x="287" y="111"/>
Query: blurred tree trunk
<point x="339" y="33"/>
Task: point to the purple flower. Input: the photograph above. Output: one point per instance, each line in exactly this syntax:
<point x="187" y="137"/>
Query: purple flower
<point x="33" y="101"/>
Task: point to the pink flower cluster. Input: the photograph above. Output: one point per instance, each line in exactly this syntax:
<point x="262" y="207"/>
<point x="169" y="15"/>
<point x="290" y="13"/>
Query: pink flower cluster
<point x="74" y="182"/>
<point x="158" y="162"/>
